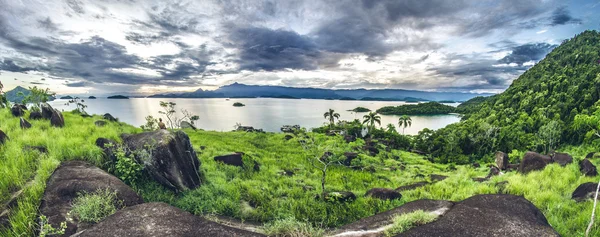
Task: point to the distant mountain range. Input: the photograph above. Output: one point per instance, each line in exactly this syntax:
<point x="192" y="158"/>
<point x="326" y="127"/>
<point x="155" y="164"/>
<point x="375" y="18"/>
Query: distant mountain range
<point x="237" y="90"/>
<point x="19" y="93"/>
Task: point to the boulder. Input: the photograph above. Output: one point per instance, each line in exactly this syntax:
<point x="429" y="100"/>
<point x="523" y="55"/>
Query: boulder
<point x="488" y="215"/>
<point x="562" y="158"/>
<point x="24" y="123"/>
<point x="100" y="123"/>
<point x="3" y="137"/>
<point x="17" y="110"/>
<point x="501" y="160"/>
<point x="371" y="149"/>
<point x="40" y="149"/>
<point x="342" y="196"/>
<point x="159" y="219"/>
<point x="108" y="148"/>
<point x="290" y="128"/>
<point x="437" y="177"/>
<point x="234" y="159"/>
<point x="587" y="168"/>
<point x="109" y="117"/>
<point x="584" y="191"/>
<point x="475" y="165"/>
<point x="384" y="194"/>
<point x="493" y="172"/>
<point x="35" y="115"/>
<point x="349" y="157"/>
<point x="172" y="160"/>
<point x="186" y="125"/>
<point x="288" y="137"/>
<point x="57" y="119"/>
<point x="533" y="161"/>
<point x="412" y="186"/>
<point x="349" y="138"/>
<point x="377" y="224"/>
<point x="47" y="111"/>
<point x="590" y="155"/>
<point x="73" y="178"/>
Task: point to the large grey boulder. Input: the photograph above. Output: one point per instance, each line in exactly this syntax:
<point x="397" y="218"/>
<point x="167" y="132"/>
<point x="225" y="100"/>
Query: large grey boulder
<point x="488" y="215"/>
<point x="24" y="123"/>
<point x="158" y="220"/>
<point x="587" y="168"/>
<point x="17" y="110"/>
<point x="3" y="137"/>
<point x="57" y="119"/>
<point x="562" y="158"/>
<point x="501" y="160"/>
<point x="585" y="191"/>
<point x="168" y="157"/>
<point x="47" y="111"/>
<point x="73" y="178"/>
<point x="533" y="161"/>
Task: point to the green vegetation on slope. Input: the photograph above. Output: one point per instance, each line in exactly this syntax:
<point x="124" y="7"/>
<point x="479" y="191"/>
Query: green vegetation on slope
<point x="563" y="85"/>
<point x="429" y="108"/>
<point x="360" y="110"/>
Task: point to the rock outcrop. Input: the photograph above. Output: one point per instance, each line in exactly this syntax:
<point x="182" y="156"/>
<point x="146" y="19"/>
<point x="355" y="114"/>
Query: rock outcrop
<point x="3" y="137"/>
<point x="562" y="158"/>
<point x="57" y="119"/>
<point x="169" y="158"/>
<point x="533" y="161"/>
<point x="342" y="196"/>
<point x="100" y="123"/>
<point x="110" y="118"/>
<point x="47" y="111"/>
<point x="488" y="215"/>
<point x="584" y="191"/>
<point x="35" y="115"/>
<point x="234" y="159"/>
<point x="501" y="160"/>
<point x="587" y="168"/>
<point x="384" y="194"/>
<point x="72" y="178"/>
<point x="17" y="110"/>
<point x="108" y="147"/>
<point x="157" y="220"/>
<point x="24" y="123"/>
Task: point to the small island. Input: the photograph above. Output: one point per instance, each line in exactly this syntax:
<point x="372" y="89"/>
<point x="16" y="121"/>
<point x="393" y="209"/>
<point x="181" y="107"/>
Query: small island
<point x="360" y="110"/>
<point x="117" y="97"/>
<point x="66" y="97"/>
<point x="238" y="104"/>
<point x="429" y="108"/>
<point x="92" y="97"/>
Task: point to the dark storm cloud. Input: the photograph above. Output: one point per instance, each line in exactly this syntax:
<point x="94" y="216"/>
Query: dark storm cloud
<point x="11" y="66"/>
<point x="47" y="24"/>
<point x="76" y="84"/>
<point x="562" y="16"/>
<point x="266" y="49"/>
<point x="528" y="52"/>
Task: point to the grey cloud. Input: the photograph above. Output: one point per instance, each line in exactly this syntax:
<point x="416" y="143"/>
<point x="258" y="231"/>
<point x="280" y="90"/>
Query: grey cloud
<point x="11" y="66"/>
<point x="76" y="84"/>
<point x="528" y="52"/>
<point x="47" y="24"/>
<point x="562" y="16"/>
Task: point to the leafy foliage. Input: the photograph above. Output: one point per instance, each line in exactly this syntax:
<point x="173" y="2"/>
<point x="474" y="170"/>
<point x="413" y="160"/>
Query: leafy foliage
<point x="37" y="96"/>
<point x="371" y="119"/>
<point x="48" y="230"/>
<point x="3" y="99"/>
<point x="331" y="115"/>
<point x="79" y="103"/>
<point x="94" y="207"/>
<point x="561" y="87"/>
<point x="429" y="108"/>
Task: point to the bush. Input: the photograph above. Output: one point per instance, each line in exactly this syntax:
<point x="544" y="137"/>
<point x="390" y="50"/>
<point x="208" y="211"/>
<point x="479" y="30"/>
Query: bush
<point x="126" y="167"/>
<point x="407" y="221"/>
<point x="94" y="207"/>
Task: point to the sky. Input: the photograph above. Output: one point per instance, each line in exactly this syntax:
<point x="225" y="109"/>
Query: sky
<point x="152" y="46"/>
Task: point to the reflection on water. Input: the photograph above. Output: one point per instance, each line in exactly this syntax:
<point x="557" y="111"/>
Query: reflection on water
<point x="268" y="114"/>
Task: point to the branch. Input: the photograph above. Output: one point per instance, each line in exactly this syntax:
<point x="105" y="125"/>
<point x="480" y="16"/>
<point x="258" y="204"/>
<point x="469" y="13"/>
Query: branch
<point x="589" y="228"/>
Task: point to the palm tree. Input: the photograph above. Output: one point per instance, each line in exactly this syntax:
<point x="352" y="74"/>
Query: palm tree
<point x="331" y="115"/>
<point x="404" y="121"/>
<point x="371" y="119"/>
<point x="391" y="128"/>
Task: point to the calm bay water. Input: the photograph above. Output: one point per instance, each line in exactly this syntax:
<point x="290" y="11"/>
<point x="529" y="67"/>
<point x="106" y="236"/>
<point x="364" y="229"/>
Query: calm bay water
<point x="266" y="113"/>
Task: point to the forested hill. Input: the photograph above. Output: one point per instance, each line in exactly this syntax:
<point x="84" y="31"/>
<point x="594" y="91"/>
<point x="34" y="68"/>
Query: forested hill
<point x="535" y="113"/>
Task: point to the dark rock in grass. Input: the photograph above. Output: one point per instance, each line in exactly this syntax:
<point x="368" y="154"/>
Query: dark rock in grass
<point x="256" y="166"/>
<point x="590" y="155"/>
<point x="384" y="194"/>
<point x="186" y="125"/>
<point x="73" y="178"/>
<point x="288" y="137"/>
<point x="173" y="163"/>
<point x="585" y="191"/>
<point x="475" y="165"/>
<point x="513" y="166"/>
<point x="562" y="158"/>
<point x="349" y="138"/>
<point x="47" y="111"/>
<point x="109" y="117"/>
<point x="234" y="159"/>
<point x="286" y="172"/>
<point x="100" y="123"/>
<point x="488" y="215"/>
<point x="533" y="161"/>
<point x="377" y="224"/>
<point x="372" y="150"/>
<point x="159" y="219"/>
<point x="17" y="110"/>
<point x="342" y="196"/>
<point x="35" y="115"/>
<point x="480" y="180"/>
<point x="289" y="128"/>
<point x="412" y="186"/>
<point x="57" y="119"/>
<point x="108" y="148"/>
<point x="349" y="157"/>
<point x="501" y="160"/>
<point x="502" y="187"/>
<point x="587" y="168"/>
<point x="437" y="177"/>
<point x="3" y="137"/>
<point x="418" y="152"/>
<point x="494" y="171"/>
<point x="40" y="149"/>
<point x="24" y="123"/>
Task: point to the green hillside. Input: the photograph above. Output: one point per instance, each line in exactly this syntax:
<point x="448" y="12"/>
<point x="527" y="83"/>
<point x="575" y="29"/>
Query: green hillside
<point x="536" y="112"/>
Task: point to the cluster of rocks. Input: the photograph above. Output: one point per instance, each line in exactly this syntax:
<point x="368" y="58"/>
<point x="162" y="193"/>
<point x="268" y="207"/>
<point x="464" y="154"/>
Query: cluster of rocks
<point x="290" y="128"/>
<point x="47" y="112"/>
<point x="249" y="129"/>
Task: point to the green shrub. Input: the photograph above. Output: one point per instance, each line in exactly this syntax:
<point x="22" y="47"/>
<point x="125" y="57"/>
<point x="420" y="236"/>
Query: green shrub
<point x="409" y="220"/>
<point x="94" y="207"/>
<point x="47" y="229"/>
<point x="127" y="168"/>
<point x="290" y="227"/>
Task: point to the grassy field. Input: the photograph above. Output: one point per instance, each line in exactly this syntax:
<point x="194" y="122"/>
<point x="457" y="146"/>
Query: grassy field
<point x="268" y="196"/>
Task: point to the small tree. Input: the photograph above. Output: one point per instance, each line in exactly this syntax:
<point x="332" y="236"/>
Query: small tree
<point x="391" y="128"/>
<point x="371" y="119"/>
<point x="79" y="103"/>
<point x="321" y="158"/>
<point x="172" y="119"/>
<point x="151" y="123"/>
<point x="37" y="96"/>
<point x="404" y="121"/>
<point x="331" y="115"/>
<point x="550" y="135"/>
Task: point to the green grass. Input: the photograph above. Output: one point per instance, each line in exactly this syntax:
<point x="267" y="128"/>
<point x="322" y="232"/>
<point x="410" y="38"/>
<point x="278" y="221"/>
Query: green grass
<point x="407" y="221"/>
<point x="94" y="207"/>
<point x="280" y="202"/>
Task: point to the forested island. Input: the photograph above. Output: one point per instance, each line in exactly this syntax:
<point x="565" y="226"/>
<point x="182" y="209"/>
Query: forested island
<point x="428" y="108"/>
